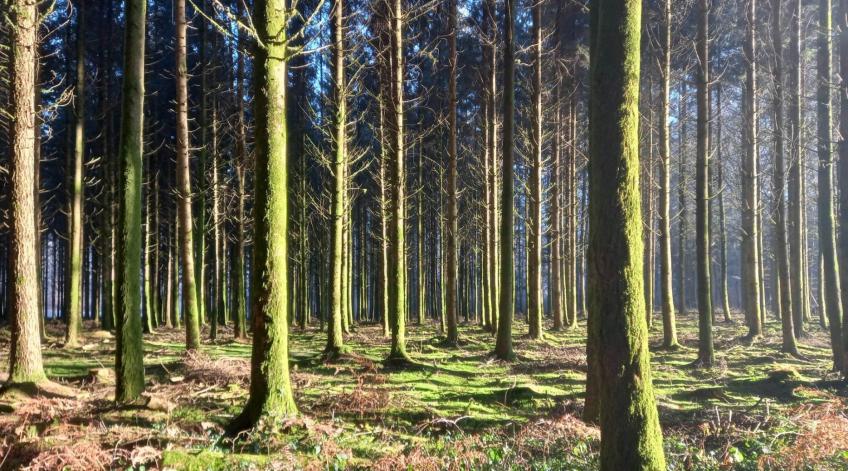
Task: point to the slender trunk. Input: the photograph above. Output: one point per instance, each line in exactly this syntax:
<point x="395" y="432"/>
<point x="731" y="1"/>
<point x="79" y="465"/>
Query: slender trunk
<point x="843" y="174"/>
<point x="452" y="225"/>
<point x="667" y="286"/>
<point x="783" y="281"/>
<point x="706" y="356"/>
<point x="827" y="233"/>
<point x="795" y="225"/>
<point x="76" y="193"/>
<point x="190" y="292"/>
<point x="534" y="231"/>
<point x="749" y="179"/>
<point x="129" y="367"/>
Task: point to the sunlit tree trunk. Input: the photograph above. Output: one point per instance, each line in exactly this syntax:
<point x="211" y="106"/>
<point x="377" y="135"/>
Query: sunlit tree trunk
<point x="666" y="284"/>
<point x="270" y="385"/>
<point x="784" y="281"/>
<point x="76" y="193"/>
<point x="534" y="231"/>
<point x="631" y="437"/>
<point x="749" y="178"/>
<point x="25" y="363"/>
<point x="827" y="231"/>
<point x="795" y="227"/>
<point x="843" y="174"/>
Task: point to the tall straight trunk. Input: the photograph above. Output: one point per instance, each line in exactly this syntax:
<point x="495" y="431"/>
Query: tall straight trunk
<point x="218" y="236"/>
<point x="666" y="283"/>
<point x="795" y="227"/>
<point x="190" y="293"/>
<point x="335" y="334"/>
<point x="452" y="225"/>
<point x="722" y="220"/>
<point x="239" y="306"/>
<point x="749" y="179"/>
<point x="169" y="287"/>
<point x="25" y="363"/>
<point x="706" y="356"/>
<point x="843" y="172"/>
<point x="397" y="178"/>
<point x="683" y="220"/>
<point x="784" y="282"/>
<point x="76" y="193"/>
<point x="827" y="231"/>
<point x="534" y="232"/>
<point x="649" y="265"/>
<point x="490" y="24"/>
<point x="555" y="220"/>
<point x="384" y="220"/>
<point x="270" y="384"/>
<point x="200" y="221"/>
<point x="129" y="368"/>
<point x="631" y="437"/>
<point x="503" y="346"/>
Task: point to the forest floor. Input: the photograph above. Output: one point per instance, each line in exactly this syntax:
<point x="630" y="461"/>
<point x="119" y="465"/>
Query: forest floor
<point x="458" y="409"/>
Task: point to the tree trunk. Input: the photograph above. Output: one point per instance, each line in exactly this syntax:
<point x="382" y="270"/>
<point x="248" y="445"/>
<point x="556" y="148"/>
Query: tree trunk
<point x="749" y="179"/>
<point x="534" y="232"/>
<point x="76" y="193"/>
<point x="25" y="364"/>
<point x="453" y="198"/>
<point x="503" y="346"/>
<point x="827" y="233"/>
<point x="843" y="174"/>
<point x="631" y="437"/>
<point x="706" y="356"/>
<point x="129" y="368"/>
<point x="190" y="293"/>
<point x="270" y="385"/>
<point x="667" y="285"/>
<point x="784" y="282"/>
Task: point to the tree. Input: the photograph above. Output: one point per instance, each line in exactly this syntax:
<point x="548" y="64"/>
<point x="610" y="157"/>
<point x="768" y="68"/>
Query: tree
<point x="76" y="193"/>
<point x="270" y="385"/>
<point x="797" y="271"/>
<point x="395" y="189"/>
<point x="843" y="173"/>
<point x="335" y="334"/>
<point x="749" y="181"/>
<point x="667" y="286"/>
<point x="784" y="282"/>
<point x="129" y="368"/>
<point x="503" y="346"/>
<point x="192" y="307"/>
<point x="706" y="356"/>
<point x="630" y="431"/>
<point x="827" y="232"/>
<point x="534" y="237"/>
<point x="25" y="364"/>
<point x="453" y="198"/>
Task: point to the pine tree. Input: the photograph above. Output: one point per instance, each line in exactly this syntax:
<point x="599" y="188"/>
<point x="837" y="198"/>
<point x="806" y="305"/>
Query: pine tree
<point x="129" y="368"/>
<point x="453" y="198"/>
<point x="270" y="384"/>
<point x="630" y="431"/>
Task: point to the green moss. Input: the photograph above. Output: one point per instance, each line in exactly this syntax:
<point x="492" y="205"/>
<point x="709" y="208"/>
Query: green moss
<point x="211" y="461"/>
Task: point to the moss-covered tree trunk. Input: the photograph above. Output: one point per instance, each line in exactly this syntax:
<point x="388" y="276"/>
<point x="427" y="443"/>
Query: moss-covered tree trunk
<point x="749" y="178"/>
<point x="827" y="230"/>
<point x="631" y="437"/>
<point x="506" y="308"/>
<point x="129" y="369"/>
<point x="192" y="306"/>
<point x="335" y="337"/>
<point x="666" y="283"/>
<point x="395" y="188"/>
<point x="76" y="193"/>
<point x="25" y="364"/>
<point x="784" y="281"/>
<point x="706" y="356"/>
<point x="270" y="385"/>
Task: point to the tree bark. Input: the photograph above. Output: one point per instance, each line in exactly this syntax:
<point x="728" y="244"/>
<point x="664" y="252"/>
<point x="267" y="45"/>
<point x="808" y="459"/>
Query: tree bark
<point x="631" y="437"/>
